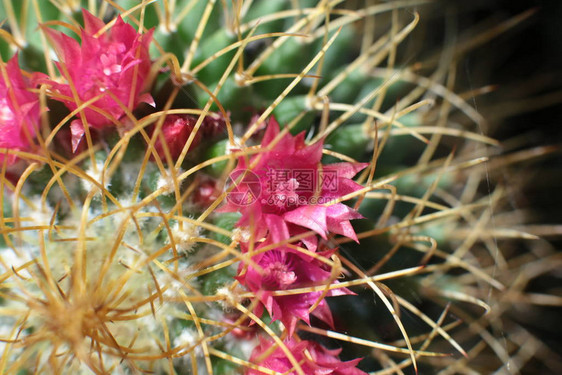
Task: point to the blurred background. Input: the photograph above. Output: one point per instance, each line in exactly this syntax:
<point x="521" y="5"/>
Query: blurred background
<point x="524" y="111"/>
<point x="509" y="68"/>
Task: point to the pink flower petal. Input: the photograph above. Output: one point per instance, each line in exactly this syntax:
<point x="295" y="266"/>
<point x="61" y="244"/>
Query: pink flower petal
<point x="77" y="132"/>
<point x="346" y="170"/>
<point x="311" y="217"/>
<point x="19" y="111"/>
<point x="338" y="216"/>
<point x="271" y="132"/>
<point x="92" y="24"/>
<point x="278" y="229"/>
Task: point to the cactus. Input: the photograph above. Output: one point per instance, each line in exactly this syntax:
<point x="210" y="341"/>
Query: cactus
<point x="124" y="248"/>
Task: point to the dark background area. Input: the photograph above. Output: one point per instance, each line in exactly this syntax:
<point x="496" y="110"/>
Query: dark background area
<point x="526" y="65"/>
<point x="524" y="108"/>
<point x="524" y="112"/>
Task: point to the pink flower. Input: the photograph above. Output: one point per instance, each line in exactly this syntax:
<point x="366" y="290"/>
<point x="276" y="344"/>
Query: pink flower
<point x="313" y="359"/>
<point x="297" y="191"/>
<point x="19" y="111"/>
<point x="114" y="65"/>
<point x="242" y="331"/>
<point x="282" y="269"/>
<point x="176" y="130"/>
<point x="206" y="192"/>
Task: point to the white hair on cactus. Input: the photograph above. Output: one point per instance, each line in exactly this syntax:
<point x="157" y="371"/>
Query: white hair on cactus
<point x="11" y="261"/>
<point x="236" y="146"/>
<point x="229" y="298"/>
<point x="241" y="235"/>
<point x="166" y="182"/>
<point x="40" y="214"/>
<point x="98" y="174"/>
<point x="184" y="235"/>
<point x="189" y="338"/>
<point x="177" y="282"/>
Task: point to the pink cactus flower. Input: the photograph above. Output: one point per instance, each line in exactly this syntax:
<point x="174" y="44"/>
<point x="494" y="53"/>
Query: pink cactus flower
<point x="176" y="130"/>
<point x="297" y="191"/>
<point x="282" y="269"/>
<point x="113" y="65"/>
<point x="206" y="192"/>
<point x="313" y="359"/>
<point x="19" y="111"/>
